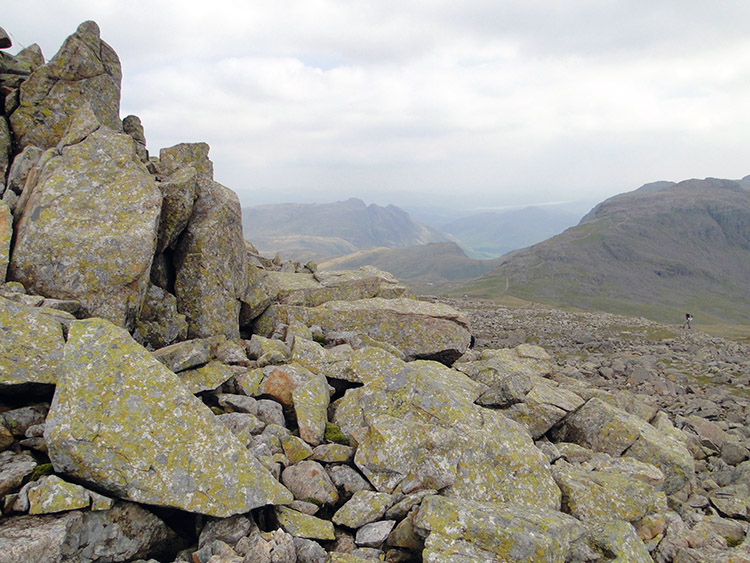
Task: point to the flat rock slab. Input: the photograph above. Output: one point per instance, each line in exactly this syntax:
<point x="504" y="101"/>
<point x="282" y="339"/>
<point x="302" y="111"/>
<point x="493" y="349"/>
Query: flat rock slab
<point x="421" y="330"/>
<point x="123" y="422"/>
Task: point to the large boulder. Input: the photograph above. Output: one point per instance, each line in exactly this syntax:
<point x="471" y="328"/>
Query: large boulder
<point x="31" y="347"/>
<point x="123" y="533"/>
<point x="423" y="414"/>
<point x="84" y="71"/>
<point x="604" y="428"/>
<point x="124" y="423"/>
<point x="88" y="229"/>
<point x="420" y="329"/>
<point x="460" y="530"/>
<point x="210" y="258"/>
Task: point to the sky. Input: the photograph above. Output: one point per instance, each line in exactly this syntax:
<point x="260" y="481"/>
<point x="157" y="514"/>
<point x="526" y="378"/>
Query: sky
<point x="464" y="105"/>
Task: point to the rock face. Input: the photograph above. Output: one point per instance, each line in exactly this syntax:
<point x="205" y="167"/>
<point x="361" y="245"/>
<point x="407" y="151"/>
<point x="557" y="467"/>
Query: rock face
<point x="85" y="71"/>
<point x="88" y="229"/>
<point x="210" y="257"/>
<point x="419" y="329"/>
<point x="123" y="422"/>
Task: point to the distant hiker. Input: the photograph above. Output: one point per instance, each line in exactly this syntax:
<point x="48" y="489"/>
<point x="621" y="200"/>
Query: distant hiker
<point x="472" y="341"/>
<point x="688" y="318"/>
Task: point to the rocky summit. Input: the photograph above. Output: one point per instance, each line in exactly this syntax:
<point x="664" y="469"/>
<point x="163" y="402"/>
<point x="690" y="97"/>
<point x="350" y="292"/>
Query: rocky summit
<point x="169" y="394"/>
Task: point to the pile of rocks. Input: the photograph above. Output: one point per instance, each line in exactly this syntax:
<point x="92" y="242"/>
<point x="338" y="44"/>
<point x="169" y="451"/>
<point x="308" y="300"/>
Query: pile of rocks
<point x="167" y="393"/>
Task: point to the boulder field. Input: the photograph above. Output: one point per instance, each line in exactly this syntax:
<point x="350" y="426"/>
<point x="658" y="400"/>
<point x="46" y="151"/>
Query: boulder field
<point x="168" y="394"/>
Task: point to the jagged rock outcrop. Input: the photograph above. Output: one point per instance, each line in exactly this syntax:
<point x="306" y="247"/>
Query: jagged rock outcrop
<point x="6" y="233"/>
<point x="88" y="229"/>
<point x="85" y="71"/>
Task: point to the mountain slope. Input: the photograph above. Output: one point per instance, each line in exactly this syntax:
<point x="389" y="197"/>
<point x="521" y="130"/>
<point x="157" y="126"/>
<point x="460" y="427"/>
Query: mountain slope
<point x="305" y="231"/>
<point x="657" y="252"/>
<point x="434" y="262"/>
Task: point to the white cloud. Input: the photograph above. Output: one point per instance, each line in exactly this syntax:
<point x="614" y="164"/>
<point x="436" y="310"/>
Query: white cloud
<point x="396" y="101"/>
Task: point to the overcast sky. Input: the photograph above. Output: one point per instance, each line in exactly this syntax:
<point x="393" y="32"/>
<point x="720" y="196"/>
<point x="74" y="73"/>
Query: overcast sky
<point x="471" y="103"/>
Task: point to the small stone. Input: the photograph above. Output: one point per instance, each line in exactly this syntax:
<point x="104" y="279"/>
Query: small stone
<point x="375" y="534"/>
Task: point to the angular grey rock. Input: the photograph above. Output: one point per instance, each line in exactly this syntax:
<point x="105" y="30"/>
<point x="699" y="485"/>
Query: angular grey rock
<point x="493" y="531"/>
<point x="374" y="534"/>
<point x="184" y="355"/>
<point x="14" y="468"/>
<point x="421" y="330"/>
<point x="124" y="533"/>
<point x="210" y="257"/>
<point x="179" y="192"/>
<point x="363" y="508"/>
<point x="131" y="125"/>
<point x="6" y="235"/>
<point x="84" y="71"/>
<point x="309" y="481"/>
<point x="159" y="324"/>
<point x="121" y="421"/>
<point x="32" y="344"/>
<point x="78" y="237"/>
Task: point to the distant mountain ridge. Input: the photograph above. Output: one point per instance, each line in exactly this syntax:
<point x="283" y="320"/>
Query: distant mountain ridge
<point x="316" y="231"/>
<point x="492" y="234"/>
<point x="658" y="251"/>
<point x="434" y="262"/>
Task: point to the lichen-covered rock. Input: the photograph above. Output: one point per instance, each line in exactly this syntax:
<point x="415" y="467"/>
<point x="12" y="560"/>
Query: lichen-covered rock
<point x="6" y="234"/>
<point x="543" y="406"/>
<point x="14" y="468"/>
<point x="211" y="264"/>
<point x="88" y="229"/>
<point x="184" y="355"/>
<point x="84" y="71"/>
<point x="418" y="328"/>
<point x="123" y="533"/>
<point x="591" y="495"/>
<point x="460" y="529"/>
<point x="5" y="152"/>
<point x="309" y="481"/>
<point x="205" y="378"/>
<point x="19" y="172"/>
<point x="329" y="363"/>
<point x="423" y="414"/>
<point x="374" y="534"/>
<point x="31" y="347"/>
<point x="51" y="494"/>
<point x="210" y="258"/>
<point x="602" y="427"/>
<point x="159" y="324"/>
<point x="618" y="540"/>
<point x="364" y="507"/>
<point x="260" y="293"/>
<point x="303" y="525"/>
<point x="304" y="391"/>
<point x="494" y="366"/>
<point x="179" y="192"/>
<point x="121" y="421"/>
<point x="267" y="351"/>
<point x="347" y="285"/>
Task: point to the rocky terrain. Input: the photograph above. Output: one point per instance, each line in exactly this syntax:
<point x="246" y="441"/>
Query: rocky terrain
<point x="169" y="394"/>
